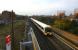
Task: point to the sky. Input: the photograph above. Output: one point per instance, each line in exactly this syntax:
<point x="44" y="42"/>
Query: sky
<point x="38" y="7"/>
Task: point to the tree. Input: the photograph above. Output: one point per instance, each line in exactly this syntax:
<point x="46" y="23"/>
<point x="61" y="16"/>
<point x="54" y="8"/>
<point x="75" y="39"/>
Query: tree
<point x="62" y="24"/>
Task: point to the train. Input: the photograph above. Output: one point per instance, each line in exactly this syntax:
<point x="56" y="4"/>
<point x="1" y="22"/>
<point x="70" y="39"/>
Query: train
<point x="46" y="29"/>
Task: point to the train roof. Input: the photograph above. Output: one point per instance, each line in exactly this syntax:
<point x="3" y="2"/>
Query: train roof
<point x="40" y="23"/>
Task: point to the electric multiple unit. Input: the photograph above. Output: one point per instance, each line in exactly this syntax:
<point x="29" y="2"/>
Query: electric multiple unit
<point x="43" y="27"/>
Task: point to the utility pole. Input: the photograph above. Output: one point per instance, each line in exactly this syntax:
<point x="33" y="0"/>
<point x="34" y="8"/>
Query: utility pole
<point x="12" y="32"/>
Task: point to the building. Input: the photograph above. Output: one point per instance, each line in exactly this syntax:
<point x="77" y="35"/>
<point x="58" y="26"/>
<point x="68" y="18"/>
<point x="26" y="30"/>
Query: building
<point x="5" y="17"/>
<point x="76" y="13"/>
<point x="61" y="14"/>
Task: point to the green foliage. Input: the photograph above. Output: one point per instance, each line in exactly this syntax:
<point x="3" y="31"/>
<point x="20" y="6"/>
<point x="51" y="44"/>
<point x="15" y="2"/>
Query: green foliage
<point x="19" y="26"/>
<point x="46" y="20"/>
<point x="74" y="27"/>
<point x="76" y="30"/>
<point x="66" y="25"/>
<point x="62" y="24"/>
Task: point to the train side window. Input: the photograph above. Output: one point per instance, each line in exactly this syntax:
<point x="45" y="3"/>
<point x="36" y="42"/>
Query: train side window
<point x="40" y="26"/>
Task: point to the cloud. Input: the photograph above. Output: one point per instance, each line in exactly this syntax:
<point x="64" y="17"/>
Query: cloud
<point x="37" y="6"/>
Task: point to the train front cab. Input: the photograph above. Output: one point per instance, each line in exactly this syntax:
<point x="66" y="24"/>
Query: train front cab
<point x="48" y="31"/>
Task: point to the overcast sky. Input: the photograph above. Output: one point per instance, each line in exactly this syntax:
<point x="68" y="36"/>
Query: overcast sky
<point x="38" y="7"/>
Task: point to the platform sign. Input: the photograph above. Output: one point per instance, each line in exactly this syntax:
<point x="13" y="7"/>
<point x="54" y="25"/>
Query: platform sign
<point x="8" y="42"/>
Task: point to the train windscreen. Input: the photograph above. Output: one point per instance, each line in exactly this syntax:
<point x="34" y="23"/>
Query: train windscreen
<point x="48" y="30"/>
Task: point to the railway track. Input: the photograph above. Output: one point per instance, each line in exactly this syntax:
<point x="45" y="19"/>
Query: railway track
<point x="54" y="42"/>
<point x="70" y="40"/>
<point x="44" y="43"/>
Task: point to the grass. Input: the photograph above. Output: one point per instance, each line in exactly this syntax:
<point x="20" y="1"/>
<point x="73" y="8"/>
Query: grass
<point x="19" y="26"/>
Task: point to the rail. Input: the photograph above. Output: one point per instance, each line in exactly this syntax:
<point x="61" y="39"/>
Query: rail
<point x="66" y="38"/>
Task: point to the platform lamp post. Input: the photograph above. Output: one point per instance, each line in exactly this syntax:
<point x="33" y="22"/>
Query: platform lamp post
<point x="12" y="31"/>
